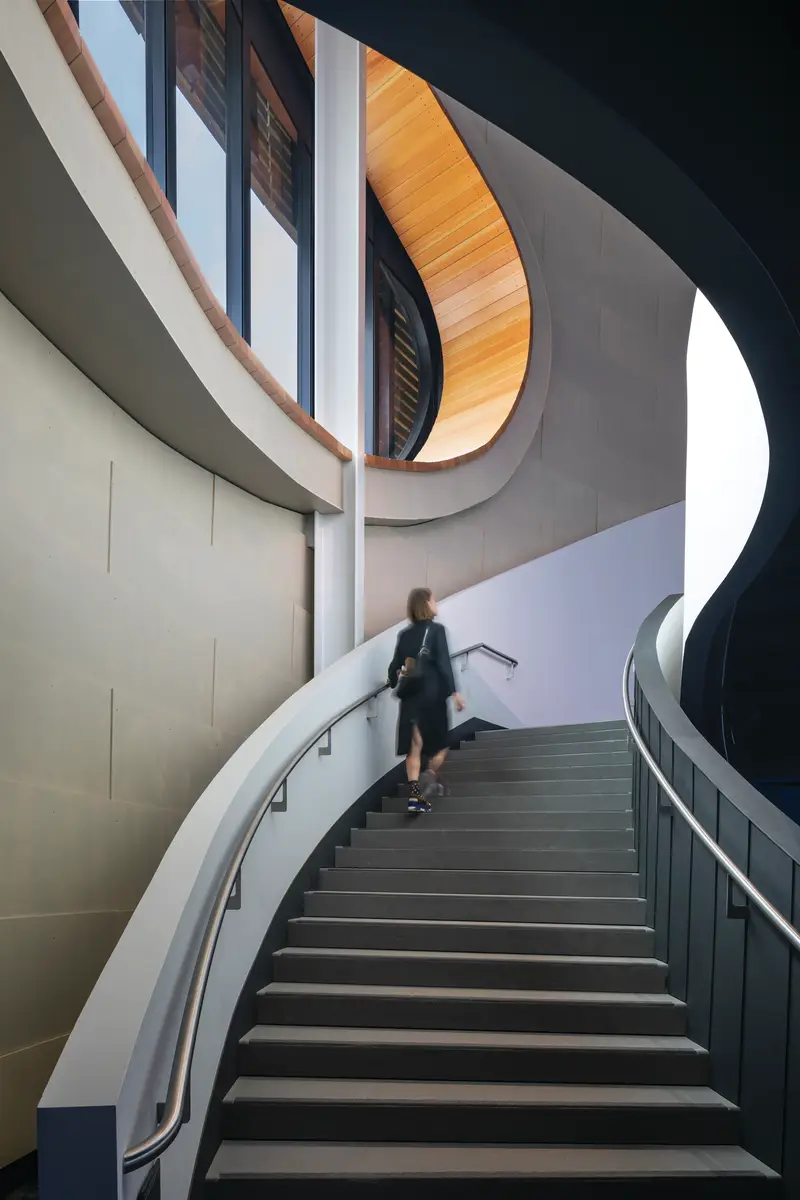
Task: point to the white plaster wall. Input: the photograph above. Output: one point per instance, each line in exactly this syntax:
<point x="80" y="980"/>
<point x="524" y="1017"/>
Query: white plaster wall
<point x="151" y="616"/>
<point x="571" y="617"/>
<point x="727" y="459"/>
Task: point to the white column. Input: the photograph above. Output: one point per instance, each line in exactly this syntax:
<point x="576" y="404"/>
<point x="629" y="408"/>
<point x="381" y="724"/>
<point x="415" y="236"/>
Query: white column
<point x="339" y="270"/>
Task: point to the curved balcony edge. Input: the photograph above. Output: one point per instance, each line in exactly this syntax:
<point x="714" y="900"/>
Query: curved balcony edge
<point x="409" y="493"/>
<point x="98" y="265"/>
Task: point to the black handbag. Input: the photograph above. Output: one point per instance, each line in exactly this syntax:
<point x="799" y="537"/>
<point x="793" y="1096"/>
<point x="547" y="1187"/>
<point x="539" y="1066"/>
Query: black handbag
<point x="413" y="677"/>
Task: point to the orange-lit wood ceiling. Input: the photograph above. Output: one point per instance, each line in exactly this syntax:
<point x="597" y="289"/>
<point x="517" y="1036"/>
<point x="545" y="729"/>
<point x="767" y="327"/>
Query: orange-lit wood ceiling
<point x="459" y="241"/>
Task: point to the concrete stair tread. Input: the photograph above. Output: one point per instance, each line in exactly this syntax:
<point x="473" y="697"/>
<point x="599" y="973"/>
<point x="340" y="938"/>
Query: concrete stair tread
<point x="356" y="991"/>
<point x="462" y="956"/>
<point x="329" y="1161"/>
<point x="394" y="922"/>
<point x="589" y="821"/>
<point x="428" y="1092"/>
<point x="471" y="1039"/>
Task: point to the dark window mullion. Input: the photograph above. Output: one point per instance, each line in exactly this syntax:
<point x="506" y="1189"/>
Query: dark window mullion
<point x="160" y="52"/>
<point x="238" y="173"/>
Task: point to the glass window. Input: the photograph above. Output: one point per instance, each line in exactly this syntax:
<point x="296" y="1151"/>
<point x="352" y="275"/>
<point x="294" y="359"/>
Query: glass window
<point x="403" y="390"/>
<point x="200" y="134"/>
<point x="273" y="230"/>
<point x="114" y="32"/>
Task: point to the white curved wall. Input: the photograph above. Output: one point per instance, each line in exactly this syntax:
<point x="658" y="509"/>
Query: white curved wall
<point x="572" y="616"/>
<point x="727" y="459"/>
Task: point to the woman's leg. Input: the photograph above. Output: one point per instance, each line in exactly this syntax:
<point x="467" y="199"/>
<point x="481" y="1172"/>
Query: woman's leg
<point x="416" y="800"/>
<point x="414" y="757"/>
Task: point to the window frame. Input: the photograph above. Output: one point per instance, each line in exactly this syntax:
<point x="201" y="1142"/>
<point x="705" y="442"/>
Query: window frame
<point x="260" y="24"/>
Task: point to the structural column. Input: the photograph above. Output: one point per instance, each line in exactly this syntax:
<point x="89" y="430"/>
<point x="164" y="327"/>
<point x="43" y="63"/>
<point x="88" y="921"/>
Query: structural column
<point x="339" y="283"/>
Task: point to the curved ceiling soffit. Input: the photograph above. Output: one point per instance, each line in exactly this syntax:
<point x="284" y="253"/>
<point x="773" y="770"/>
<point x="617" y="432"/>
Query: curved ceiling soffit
<point x="456" y="234"/>
<point x="409" y="497"/>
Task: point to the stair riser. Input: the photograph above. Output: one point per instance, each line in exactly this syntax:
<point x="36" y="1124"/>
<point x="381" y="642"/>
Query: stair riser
<point x="425" y="859"/>
<point x="531" y="939"/>
<point x="618" y="763"/>
<point x="503" y="772"/>
<point x="590" y="730"/>
<point x="569" y="822"/>
<point x="473" y="1187"/>
<point x="483" y="1124"/>
<point x="478" y="973"/>
<point x="499" y="789"/>
<point x="511" y="1016"/>
<point x="388" y="906"/>
<point x="461" y="802"/>
<point x="489" y="750"/>
<point x="429" y="836"/>
<point x="484" y="1065"/>
<point x="491" y="883"/>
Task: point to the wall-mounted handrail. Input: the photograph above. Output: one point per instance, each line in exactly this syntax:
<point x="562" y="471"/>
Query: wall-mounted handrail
<point x="734" y="873"/>
<point x="146" y="1151"/>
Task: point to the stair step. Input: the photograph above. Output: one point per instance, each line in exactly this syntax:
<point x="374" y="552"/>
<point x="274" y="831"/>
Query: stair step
<point x="495" y="804"/>
<point x="243" y="1170"/>
<point x="536" y="747"/>
<point x="321" y="1052"/>
<point x="477" y="938"/>
<point x="502" y="789"/>
<point x="443" y="906"/>
<point x="426" y="835"/>
<point x="590" y="766"/>
<point x="439" y="858"/>
<point x="480" y="882"/>
<point x="389" y="1007"/>
<point x="615" y="728"/>
<point x="576" y="822"/>
<point x="396" y="1110"/>
<point x="427" y="968"/>
<point x="529" y="772"/>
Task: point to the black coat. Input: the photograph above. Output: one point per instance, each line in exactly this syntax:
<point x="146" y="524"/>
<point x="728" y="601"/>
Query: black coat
<point x="427" y="709"/>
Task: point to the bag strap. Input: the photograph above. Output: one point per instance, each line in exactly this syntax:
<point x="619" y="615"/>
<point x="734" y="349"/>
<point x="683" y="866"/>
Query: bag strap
<point x="424" y="641"/>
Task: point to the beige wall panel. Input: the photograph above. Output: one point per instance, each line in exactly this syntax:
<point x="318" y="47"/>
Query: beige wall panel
<point x="23" y="1077"/>
<point x="117" y="583"/>
<point x="160" y="759"/>
<point x="54" y="724"/>
<point x="250" y="685"/>
<point x="73" y="853"/>
<point x="56" y="960"/>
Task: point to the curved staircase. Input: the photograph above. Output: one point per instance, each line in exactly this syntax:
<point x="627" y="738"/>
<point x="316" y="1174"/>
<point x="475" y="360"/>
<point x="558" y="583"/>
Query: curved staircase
<point x="470" y="1007"/>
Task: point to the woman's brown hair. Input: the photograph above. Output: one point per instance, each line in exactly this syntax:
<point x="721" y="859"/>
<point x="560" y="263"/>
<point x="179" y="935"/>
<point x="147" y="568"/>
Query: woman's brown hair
<point x="419" y="605"/>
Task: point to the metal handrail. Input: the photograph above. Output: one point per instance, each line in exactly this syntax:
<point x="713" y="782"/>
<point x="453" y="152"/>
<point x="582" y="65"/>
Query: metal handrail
<point x="734" y="873"/>
<point x="167" y="1130"/>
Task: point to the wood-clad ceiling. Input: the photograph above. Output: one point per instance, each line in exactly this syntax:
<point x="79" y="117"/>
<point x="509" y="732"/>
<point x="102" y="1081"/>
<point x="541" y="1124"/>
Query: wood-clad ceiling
<point x="459" y="241"/>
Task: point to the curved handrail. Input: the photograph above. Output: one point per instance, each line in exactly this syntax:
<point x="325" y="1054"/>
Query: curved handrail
<point x="738" y="876"/>
<point x="146" y="1151"/>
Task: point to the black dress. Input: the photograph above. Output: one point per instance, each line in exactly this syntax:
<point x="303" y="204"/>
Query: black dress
<point x="427" y="709"/>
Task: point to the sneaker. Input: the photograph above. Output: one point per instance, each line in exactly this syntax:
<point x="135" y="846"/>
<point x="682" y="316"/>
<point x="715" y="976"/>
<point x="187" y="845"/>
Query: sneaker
<point x="430" y="785"/>
<point x="416" y="804"/>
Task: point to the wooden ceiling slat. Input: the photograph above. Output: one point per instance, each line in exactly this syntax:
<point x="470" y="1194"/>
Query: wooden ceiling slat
<point x="459" y="241"/>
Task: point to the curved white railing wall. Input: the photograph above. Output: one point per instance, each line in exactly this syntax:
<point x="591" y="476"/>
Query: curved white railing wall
<point x="115" y="1067"/>
<point x="727" y="459"/>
